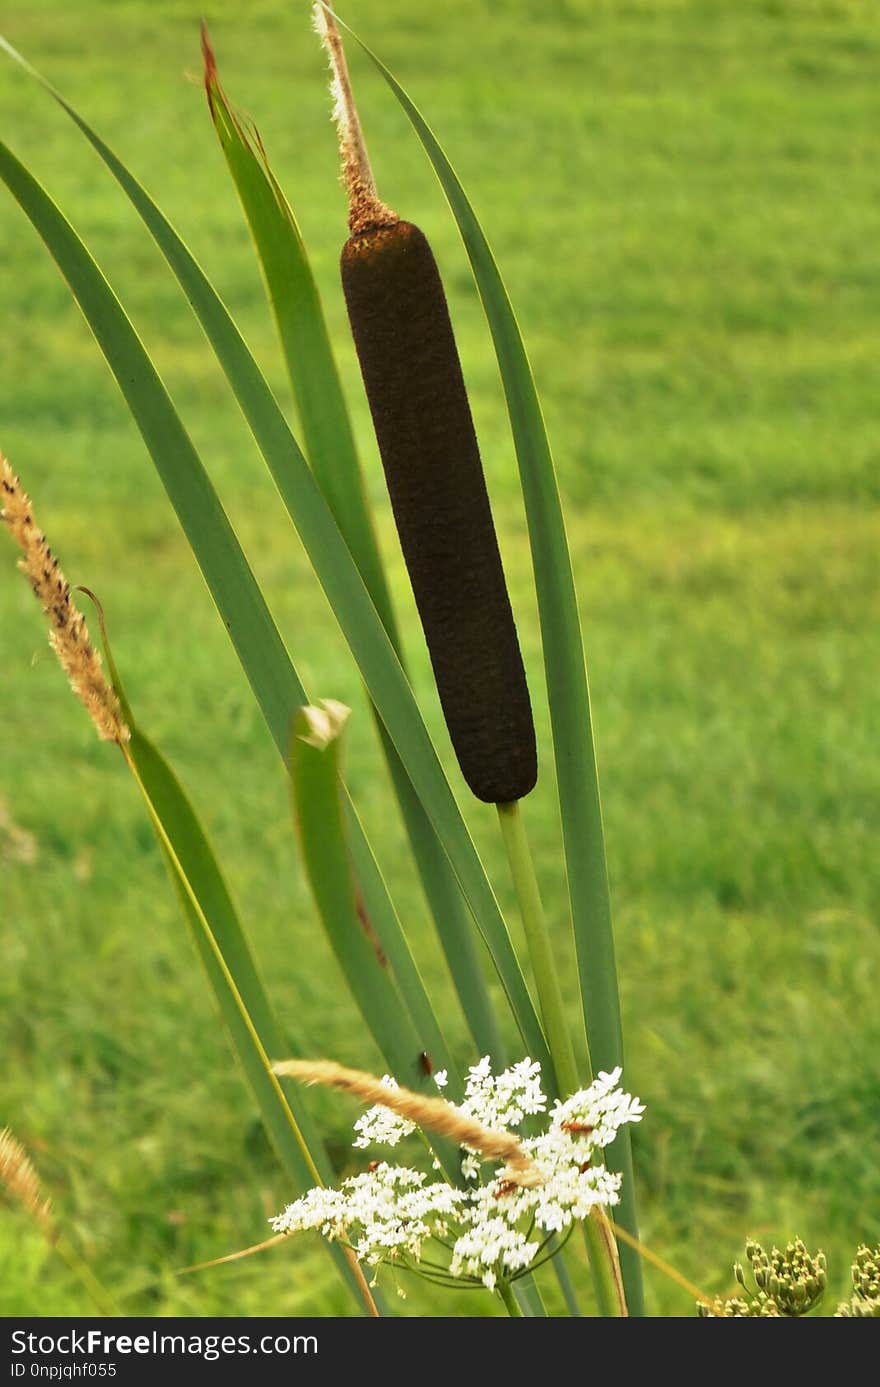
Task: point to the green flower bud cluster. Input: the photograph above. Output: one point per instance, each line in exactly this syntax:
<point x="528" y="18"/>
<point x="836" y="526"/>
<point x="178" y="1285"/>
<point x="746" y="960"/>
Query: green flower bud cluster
<point x="788" y="1283"/>
<point x="866" y="1272"/>
<point x="758" y="1306"/>
<point x="865" y="1303"/>
<point x="793" y="1278"/>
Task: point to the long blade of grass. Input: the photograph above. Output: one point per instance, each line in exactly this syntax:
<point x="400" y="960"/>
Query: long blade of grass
<point x="311" y="367"/>
<point x="327" y="550"/>
<point x="204" y="896"/>
<point x="385" y="922"/>
<point x="330" y="448"/>
<point x="193" y="851"/>
<point x="275" y="682"/>
<point x="564" y="663"/>
<point x="315" y="783"/>
<point x="318" y="813"/>
<point x="282" y="1125"/>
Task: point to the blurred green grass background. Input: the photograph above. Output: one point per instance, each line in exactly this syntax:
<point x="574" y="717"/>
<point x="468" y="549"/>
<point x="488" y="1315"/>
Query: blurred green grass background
<point x="683" y="198"/>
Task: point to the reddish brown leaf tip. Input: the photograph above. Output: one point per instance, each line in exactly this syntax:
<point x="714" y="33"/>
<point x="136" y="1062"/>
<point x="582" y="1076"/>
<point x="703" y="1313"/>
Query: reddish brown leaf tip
<point x="212" y="80"/>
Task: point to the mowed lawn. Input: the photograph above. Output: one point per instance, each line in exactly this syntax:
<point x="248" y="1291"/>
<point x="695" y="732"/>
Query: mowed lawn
<point x="683" y="198"/>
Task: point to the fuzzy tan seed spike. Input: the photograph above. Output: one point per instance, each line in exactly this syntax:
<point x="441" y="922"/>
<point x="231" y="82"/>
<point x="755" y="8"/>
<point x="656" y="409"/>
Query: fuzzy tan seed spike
<point x="366" y="210"/>
<point x="434" y="1114"/>
<point x="69" y="636"/>
<point x="19" y="1178"/>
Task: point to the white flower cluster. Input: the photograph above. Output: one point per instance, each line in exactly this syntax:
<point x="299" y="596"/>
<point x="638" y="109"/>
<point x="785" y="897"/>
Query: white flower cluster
<point x="380" y="1126"/>
<point x="503" y="1100"/>
<point x="483" y="1232"/>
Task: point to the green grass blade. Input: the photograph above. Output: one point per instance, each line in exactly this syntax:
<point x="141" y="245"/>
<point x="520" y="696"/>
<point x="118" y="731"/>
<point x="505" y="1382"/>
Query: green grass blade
<point x="330" y="448"/>
<point x="385" y="922"/>
<point x="565" y="666"/>
<point x="208" y="908"/>
<point x="318" y="813"/>
<point x="217" y="551"/>
<point x="327" y="550"/>
<point x="267" y="664"/>
<point x="203" y="872"/>
<point x="318" y="806"/>
<point x="296" y="307"/>
<point x="460" y="945"/>
<point x="209" y="911"/>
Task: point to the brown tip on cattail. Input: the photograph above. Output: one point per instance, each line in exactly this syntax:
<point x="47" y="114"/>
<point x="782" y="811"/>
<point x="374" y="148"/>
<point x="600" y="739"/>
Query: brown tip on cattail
<point x="366" y="211"/>
<point x="19" y="1178"/>
<point x="433" y="1114"/>
<point x="69" y="636"/>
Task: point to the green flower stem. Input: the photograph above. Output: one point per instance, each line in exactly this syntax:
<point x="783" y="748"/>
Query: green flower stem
<point x="605" y="1266"/>
<point x="505" y="1290"/>
<point x="540" y="950"/>
<point x="600" y="1245"/>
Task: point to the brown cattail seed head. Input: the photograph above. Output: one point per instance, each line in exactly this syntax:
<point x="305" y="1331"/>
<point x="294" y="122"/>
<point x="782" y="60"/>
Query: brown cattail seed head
<point x="414" y="384"/>
<point x="415" y="388"/>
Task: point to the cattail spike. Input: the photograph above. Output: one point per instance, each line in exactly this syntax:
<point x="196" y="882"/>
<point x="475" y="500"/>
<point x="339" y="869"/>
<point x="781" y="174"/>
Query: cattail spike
<point x="69" y="636"/>
<point x="366" y="210"/>
<point x="415" y="387"/>
<point x="434" y="1114"/>
<point x="431" y="459"/>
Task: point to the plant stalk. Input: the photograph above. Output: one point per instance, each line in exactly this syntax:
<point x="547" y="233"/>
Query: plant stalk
<point x="540" y="950"/>
<point x="600" y="1242"/>
<point x="505" y="1290"/>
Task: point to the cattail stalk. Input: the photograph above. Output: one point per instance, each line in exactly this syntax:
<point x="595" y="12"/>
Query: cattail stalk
<point x="540" y="947"/>
<point x="69" y="636"/>
<point x="415" y="388"/>
<point x="414" y="384"/>
<point x="602" y="1248"/>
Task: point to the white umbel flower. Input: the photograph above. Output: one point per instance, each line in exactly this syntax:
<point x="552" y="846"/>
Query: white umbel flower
<point x="380" y="1126"/>
<point x="488" y="1233"/>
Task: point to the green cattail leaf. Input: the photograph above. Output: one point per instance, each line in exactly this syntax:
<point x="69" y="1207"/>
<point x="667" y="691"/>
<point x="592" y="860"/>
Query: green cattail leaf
<point x="214" y="927"/>
<point x="327" y="550"/>
<point x="276" y="684"/>
<point x="206" y="902"/>
<point x="308" y="355"/>
<point x="564" y="662"/>
<point x="317" y="801"/>
<point x="202" y="872"/>
<point x="330" y="448"/>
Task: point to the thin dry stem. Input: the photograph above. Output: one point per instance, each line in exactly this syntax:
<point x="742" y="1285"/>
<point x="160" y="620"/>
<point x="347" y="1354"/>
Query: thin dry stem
<point x="69" y="636"/>
<point x="435" y="1114"/>
<point x="661" y="1265"/>
<point x="366" y="210"/>
<point x="236" y="1256"/>
<point x="21" y="1180"/>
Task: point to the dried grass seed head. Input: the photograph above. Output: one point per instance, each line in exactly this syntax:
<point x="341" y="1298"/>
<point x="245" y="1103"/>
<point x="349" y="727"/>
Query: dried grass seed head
<point x="20" y="1179"/>
<point x="69" y="634"/>
<point x="431" y="1114"/>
